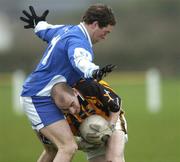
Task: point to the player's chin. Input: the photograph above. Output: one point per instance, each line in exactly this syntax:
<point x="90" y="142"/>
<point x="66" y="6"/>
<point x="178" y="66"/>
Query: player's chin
<point x="98" y="40"/>
<point x="101" y="39"/>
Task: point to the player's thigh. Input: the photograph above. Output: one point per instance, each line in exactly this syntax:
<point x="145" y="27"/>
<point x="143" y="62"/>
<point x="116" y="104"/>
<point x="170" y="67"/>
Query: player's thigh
<point x="59" y="133"/>
<point x="47" y="118"/>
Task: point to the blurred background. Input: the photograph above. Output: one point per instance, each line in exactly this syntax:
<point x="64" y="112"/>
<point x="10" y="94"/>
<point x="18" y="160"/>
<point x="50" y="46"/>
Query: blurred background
<point x="145" y="46"/>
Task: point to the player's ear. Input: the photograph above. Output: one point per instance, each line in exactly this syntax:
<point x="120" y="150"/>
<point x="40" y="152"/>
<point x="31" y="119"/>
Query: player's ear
<point x="95" y="25"/>
<point x="75" y="91"/>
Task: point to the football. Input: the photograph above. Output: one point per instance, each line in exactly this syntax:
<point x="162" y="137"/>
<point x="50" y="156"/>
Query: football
<point x="98" y="129"/>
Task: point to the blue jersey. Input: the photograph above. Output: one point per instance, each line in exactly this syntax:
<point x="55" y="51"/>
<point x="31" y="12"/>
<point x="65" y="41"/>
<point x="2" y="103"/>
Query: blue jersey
<point x="68" y="58"/>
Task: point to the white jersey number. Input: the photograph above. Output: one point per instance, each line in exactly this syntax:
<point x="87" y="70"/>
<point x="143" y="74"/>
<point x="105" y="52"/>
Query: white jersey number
<point x="52" y="45"/>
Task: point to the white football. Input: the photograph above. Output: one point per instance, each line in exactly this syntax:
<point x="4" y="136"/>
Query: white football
<point x="103" y="131"/>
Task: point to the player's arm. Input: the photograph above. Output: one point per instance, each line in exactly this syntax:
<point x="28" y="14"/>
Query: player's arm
<point x="113" y="119"/>
<point x="81" y="59"/>
<point x="46" y="31"/>
<point x="42" y="29"/>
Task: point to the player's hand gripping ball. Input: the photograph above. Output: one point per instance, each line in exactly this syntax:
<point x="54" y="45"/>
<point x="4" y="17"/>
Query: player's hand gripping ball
<point x="95" y="130"/>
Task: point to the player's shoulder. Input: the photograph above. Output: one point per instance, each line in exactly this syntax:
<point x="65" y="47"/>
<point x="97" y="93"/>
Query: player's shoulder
<point x="74" y="32"/>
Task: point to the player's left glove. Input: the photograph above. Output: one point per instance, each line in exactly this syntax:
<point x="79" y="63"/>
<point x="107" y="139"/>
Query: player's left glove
<point x="32" y="19"/>
<point x="100" y="73"/>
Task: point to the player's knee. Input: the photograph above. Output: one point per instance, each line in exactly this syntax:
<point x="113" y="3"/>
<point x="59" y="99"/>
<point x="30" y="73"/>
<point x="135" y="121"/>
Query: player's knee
<point x="69" y="149"/>
<point x="51" y="151"/>
<point x="72" y="148"/>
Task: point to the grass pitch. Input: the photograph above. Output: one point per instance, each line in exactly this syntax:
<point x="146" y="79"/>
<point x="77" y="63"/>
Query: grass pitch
<point x="152" y="137"/>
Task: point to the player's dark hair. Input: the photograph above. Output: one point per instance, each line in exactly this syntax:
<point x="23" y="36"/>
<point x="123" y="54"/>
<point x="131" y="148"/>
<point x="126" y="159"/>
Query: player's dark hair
<point x="100" y="13"/>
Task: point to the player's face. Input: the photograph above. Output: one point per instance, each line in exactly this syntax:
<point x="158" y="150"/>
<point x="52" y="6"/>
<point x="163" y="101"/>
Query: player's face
<point x="71" y="106"/>
<point x="101" y="33"/>
<point x="74" y="107"/>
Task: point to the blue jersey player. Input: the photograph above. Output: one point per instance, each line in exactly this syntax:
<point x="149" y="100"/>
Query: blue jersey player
<point x="67" y="59"/>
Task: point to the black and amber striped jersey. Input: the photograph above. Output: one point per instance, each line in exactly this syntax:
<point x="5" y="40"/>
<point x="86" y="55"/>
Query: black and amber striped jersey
<point x="95" y="98"/>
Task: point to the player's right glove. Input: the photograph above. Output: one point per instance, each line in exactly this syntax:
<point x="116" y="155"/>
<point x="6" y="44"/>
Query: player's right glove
<point x="100" y="73"/>
<point x="32" y="19"/>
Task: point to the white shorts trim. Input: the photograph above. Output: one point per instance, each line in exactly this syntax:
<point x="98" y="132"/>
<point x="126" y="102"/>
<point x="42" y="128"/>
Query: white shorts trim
<point x="31" y="113"/>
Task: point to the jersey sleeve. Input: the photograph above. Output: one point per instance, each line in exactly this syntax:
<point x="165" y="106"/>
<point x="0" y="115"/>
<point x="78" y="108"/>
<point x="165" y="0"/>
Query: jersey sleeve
<point x="102" y="92"/>
<point x="81" y="58"/>
<point x="46" y="31"/>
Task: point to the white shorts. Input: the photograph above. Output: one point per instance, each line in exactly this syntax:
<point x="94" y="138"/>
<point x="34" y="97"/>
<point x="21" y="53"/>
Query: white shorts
<point x="41" y="111"/>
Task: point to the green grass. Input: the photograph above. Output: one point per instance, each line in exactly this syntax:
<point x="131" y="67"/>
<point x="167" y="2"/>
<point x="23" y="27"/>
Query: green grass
<point x="152" y="137"/>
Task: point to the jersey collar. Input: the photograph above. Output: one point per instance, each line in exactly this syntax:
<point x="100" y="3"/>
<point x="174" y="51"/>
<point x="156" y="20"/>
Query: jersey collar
<point x="84" y="30"/>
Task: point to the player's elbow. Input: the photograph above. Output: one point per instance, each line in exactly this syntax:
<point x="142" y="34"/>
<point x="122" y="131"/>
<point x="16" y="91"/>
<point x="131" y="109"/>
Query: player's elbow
<point x="115" y="105"/>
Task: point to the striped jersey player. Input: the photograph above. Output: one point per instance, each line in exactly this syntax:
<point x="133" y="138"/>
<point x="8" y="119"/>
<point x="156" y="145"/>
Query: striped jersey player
<point x="97" y="98"/>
